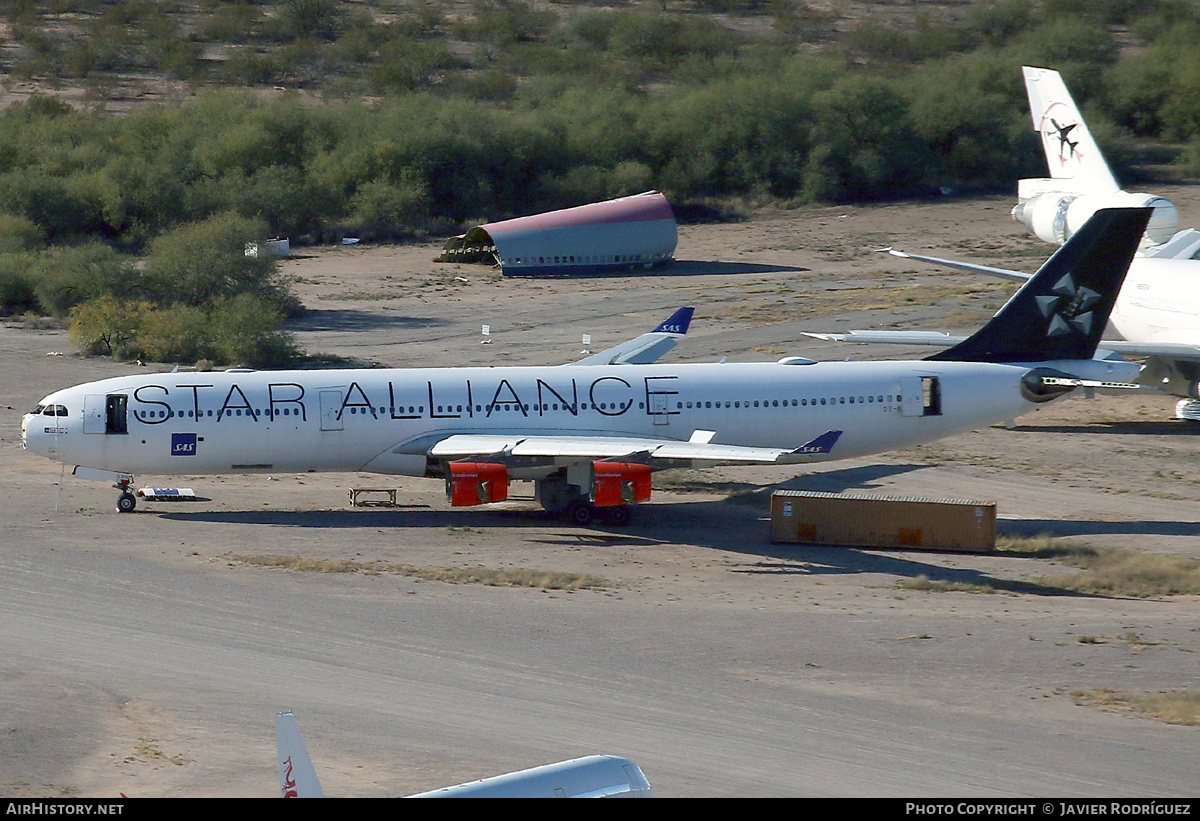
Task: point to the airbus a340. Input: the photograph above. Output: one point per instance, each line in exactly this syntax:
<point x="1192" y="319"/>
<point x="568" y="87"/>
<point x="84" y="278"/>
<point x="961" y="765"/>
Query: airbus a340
<point x="590" y="434"/>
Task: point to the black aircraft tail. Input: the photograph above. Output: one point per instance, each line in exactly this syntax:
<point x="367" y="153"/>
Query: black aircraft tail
<point x="1061" y="312"/>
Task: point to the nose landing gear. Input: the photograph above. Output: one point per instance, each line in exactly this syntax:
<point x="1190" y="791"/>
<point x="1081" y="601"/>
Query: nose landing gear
<point x="127" y="501"/>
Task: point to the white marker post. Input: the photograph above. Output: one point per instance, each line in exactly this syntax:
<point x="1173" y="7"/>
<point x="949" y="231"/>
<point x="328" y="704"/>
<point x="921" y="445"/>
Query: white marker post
<point x="487" y="335"/>
<point x="587" y="343"/>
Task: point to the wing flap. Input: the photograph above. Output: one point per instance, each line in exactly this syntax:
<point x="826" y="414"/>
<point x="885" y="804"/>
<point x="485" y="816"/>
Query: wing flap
<point x="664" y="452"/>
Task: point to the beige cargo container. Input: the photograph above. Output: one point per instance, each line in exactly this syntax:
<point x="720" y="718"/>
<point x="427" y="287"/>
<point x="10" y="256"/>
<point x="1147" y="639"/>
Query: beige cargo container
<point x="861" y="520"/>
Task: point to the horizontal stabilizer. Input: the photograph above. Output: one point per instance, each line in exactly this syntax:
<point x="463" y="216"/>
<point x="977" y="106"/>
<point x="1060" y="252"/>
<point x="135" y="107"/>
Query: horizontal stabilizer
<point x="1002" y="273"/>
<point x="1061" y="312"/>
<point x="892" y="337"/>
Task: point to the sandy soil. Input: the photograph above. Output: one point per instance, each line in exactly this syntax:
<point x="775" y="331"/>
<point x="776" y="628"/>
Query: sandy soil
<point x="1112" y="471"/>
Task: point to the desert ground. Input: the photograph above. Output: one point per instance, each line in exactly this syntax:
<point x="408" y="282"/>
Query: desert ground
<point x="141" y="654"/>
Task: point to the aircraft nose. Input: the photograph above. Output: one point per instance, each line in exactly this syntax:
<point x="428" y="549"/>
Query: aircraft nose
<point x="30" y="440"/>
<point x="40" y="434"/>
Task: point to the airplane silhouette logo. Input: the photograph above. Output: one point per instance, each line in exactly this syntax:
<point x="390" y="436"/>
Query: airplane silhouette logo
<point x="1064" y="138"/>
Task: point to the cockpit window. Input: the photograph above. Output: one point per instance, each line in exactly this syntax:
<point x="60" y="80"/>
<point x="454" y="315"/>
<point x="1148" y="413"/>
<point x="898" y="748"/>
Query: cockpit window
<point x="54" y="410"/>
<point x="37" y="410"/>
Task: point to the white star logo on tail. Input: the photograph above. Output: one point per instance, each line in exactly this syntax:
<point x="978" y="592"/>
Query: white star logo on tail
<point x="1068" y="307"/>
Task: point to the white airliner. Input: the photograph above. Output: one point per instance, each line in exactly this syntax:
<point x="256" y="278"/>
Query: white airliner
<point x="590" y="434"/>
<point x="594" y="776"/>
<point x="1081" y="182"/>
<point x="1158" y="310"/>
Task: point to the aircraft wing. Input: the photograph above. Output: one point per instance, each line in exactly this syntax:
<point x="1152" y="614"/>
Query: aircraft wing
<point x="658" y="453"/>
<point x="1003" y="273"/>
<point x="646" y="348"/>
<point x="892" y="337"/>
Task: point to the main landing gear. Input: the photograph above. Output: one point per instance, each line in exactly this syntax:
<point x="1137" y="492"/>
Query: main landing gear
<point x="557" y="496"/>
<point x="585" y="513"/>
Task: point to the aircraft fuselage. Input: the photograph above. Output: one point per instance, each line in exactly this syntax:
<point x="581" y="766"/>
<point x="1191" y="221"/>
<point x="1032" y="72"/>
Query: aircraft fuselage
<point x="386" y="421"/>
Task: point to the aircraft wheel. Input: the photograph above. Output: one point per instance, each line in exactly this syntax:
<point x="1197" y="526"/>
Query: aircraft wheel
<point x="582" y="514"/>
<point x="619" y="516"/>
<point x="126" y="502"/>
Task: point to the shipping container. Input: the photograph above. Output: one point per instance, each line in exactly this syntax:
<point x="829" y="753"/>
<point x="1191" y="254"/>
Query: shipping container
<point x="863" y="520"/>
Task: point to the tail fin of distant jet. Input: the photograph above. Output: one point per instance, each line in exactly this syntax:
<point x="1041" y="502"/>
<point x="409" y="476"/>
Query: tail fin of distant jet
<point x="1071" y="152"/>
<point x="1080" y="181"/>
<point x="1061" y="312"/>
<point x="297" y="778"/>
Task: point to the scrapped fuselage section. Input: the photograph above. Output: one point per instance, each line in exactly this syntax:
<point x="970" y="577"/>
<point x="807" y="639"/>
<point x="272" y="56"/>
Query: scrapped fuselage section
<point x="621" y="234"/>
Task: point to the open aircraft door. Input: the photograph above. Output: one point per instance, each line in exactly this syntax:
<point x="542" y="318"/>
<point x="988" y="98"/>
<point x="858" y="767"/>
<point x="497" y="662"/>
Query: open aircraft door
<point x="920" y="396"/>
<point x="105" y="414"/>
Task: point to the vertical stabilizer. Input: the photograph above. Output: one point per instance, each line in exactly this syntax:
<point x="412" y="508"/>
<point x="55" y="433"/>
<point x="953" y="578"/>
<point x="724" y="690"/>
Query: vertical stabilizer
<point x="297" y="778"/>
<point x="1061" y="312"/>
<point x="1071" y="153"/>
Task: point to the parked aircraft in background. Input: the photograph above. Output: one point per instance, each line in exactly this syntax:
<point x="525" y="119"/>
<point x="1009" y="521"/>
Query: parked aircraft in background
<point x="590" y="435"/>
<point x="1158" y="310"/>
<point x="595" y="776"/>
<point x="1081" y="182"/>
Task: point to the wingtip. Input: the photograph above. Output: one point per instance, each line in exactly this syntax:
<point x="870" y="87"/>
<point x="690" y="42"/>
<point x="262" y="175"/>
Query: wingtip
<point x="678" y="322"/>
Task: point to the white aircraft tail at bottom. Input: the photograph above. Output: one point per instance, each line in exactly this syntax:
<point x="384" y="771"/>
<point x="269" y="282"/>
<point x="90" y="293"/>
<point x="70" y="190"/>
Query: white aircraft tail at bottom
<point x="594" y="776"/>
<point x="297" y="778"/>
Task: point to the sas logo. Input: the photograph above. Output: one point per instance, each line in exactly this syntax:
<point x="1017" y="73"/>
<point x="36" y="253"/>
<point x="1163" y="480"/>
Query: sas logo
<point x="183" y="444"/>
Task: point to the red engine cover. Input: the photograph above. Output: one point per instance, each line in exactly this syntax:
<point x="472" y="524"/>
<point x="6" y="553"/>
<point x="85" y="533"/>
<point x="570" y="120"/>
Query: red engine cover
<point x="476" y="483"/>
<point x="619" y="483"/>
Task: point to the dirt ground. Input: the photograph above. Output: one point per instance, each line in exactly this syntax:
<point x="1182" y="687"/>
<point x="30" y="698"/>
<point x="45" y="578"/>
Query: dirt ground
<point x="1114" y="471"/>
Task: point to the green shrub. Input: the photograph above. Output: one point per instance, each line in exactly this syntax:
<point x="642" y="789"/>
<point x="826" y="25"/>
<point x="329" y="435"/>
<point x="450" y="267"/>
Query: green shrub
<point x="17" y="294"/>
<point x="199" y="263"/>
<point x="64" y="277"/>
